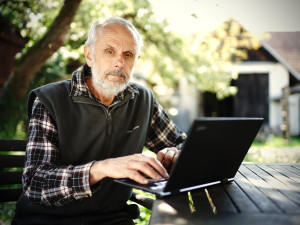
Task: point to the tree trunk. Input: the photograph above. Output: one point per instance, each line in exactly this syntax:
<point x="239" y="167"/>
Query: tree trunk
<point x="13" y="96"/>
<point x="37" y="55"/>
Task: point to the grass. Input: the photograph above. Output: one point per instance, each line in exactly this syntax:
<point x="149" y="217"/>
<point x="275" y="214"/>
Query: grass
<point x="275" y="150"/>
<point x="277" y="141"/>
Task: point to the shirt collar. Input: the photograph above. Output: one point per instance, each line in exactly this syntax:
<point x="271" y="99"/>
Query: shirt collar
<point x="80" y="88"/>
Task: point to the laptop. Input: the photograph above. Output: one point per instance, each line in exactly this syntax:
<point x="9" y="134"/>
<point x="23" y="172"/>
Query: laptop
<point x="212" y="154"/>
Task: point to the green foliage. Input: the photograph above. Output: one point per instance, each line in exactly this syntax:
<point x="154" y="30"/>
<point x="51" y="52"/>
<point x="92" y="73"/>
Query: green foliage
<point x="7" y="212"/>
<point x="11" y="124"/>
<point x="30" y="18"/>
<point x="15" y="126"/>
<point x="232" y="41"/>
<point x="144" y="217"/>
<point x="277" y="141"/>
<point x="53" y="70"/>
<point x="144" y="213"/>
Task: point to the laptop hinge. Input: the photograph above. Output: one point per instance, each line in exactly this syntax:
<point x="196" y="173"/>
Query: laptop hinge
<point x="225" y="180"/>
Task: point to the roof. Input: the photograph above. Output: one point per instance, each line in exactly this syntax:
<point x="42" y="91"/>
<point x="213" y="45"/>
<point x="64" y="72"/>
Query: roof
<point x="285" y="47"/>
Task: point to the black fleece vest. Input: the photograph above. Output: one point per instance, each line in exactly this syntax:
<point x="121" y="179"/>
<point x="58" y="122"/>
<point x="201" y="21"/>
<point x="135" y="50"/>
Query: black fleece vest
<point x="88" y="131"/>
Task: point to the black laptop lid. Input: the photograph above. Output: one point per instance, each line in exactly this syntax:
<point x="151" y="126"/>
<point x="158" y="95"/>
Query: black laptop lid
<point x="214" y="150"/>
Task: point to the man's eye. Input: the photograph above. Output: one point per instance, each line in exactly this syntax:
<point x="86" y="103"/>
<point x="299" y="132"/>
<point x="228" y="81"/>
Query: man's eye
<point x="109" y="52"/>
<point x="129" y="55"/>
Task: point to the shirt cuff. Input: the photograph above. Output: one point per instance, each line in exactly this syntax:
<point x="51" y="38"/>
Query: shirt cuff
<point x="81" y="185"/>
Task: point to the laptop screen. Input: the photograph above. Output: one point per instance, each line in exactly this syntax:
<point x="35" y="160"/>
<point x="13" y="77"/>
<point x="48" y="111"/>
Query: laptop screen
<point x="213" y="151"/>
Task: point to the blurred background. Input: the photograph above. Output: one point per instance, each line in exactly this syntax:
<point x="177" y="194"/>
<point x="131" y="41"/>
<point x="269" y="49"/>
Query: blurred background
<point x="201" y="58"/>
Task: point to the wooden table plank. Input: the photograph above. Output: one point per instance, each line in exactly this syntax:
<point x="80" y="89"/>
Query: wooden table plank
<point x="285" y="171"/>
<point x="281" y="201"/>
<point x="221" y="200"/>
<point x="263" y="203"/>
<point x="282" y="178"/>
<point x="171" y="208"/>
<point x="276" y="184"/>
<point x="201" y="202"/>
<point x="297" y="166"/>
<point x="293" y="169"/>
<point x="243" y="203"/>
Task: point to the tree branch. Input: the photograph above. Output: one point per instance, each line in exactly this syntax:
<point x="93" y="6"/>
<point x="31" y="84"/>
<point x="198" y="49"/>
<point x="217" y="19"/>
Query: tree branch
<point x="36" y="56"/>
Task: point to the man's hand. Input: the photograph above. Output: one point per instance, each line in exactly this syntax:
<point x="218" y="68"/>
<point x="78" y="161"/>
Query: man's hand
<point x="132" y="166"/>
<point x="168" y="156"/>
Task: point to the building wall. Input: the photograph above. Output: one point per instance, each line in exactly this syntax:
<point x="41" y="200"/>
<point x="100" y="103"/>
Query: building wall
<point x="189" y="98"/>
<point x="278" y="78"/>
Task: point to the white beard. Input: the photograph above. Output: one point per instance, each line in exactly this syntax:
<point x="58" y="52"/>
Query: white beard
<point x="109" y="87"/>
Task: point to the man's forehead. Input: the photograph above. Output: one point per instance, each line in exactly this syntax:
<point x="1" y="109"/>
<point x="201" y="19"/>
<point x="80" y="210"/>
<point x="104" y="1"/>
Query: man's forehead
<point x="113" y="33"/>
<point x="116" y="29"/>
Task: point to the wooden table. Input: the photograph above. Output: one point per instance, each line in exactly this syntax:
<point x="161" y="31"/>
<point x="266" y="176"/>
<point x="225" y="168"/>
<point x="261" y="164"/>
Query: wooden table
<point x="261" y="193"/>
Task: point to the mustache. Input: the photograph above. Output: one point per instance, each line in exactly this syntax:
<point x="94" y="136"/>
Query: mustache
<point x="118" y="72"/>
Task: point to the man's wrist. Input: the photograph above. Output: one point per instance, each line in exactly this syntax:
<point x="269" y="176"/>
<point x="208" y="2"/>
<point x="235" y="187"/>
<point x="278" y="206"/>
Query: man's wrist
<point x="96" y="174"/>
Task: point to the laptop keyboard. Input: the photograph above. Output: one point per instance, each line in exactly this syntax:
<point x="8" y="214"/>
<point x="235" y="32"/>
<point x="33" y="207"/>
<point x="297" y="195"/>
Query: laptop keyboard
<point x="156" y="185"/>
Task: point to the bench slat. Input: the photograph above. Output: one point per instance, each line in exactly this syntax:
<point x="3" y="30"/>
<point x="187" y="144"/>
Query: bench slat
<point x="10" y="195"/>
<point x="10" y="177"/>
<point x="12" y="145"/>
<point x="10" y="161"/>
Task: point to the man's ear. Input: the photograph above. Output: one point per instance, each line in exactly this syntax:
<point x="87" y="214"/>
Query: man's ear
<point x="88" y="55"/>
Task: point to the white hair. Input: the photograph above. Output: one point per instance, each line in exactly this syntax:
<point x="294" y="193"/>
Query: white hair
<point x="92" y="37"/>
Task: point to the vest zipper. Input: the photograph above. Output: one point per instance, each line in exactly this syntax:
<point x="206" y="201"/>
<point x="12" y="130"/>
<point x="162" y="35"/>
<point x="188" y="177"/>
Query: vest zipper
<point x="107" y="113"/>
<point x="109" y="131"/>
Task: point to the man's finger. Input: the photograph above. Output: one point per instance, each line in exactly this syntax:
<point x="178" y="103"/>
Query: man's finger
<point x="161" y="155"/>
<point x="167" y="162"/>
<point x="137" y="177"/>
<point x="150" y="167"/>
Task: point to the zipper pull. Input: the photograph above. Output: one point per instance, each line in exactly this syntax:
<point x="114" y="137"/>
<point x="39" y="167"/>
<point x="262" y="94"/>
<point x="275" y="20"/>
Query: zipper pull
<point x="109" y="124"/>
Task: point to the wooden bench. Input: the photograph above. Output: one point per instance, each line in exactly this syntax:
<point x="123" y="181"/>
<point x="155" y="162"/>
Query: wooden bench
<point x="12" y="156"/>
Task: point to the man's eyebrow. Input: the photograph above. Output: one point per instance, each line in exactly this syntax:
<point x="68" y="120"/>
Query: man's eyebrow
<point x="109" y="46"/>
<point x="133" y="51"/>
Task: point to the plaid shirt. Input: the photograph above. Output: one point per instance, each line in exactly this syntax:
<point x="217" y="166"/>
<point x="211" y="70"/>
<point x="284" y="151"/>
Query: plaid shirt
<point x="45" y="180"/>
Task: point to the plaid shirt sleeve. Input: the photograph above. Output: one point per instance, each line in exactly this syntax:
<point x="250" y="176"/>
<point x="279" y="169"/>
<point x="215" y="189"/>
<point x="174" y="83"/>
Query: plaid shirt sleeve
<point x="163" y="132"/>
<point x="45" y="180"/>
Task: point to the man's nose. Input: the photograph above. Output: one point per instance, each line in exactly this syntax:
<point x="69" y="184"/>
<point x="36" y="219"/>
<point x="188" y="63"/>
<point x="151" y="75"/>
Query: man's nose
<point x="120" y="62"/>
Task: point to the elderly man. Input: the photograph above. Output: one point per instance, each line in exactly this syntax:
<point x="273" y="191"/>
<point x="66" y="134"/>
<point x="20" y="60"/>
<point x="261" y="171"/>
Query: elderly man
<point x="89" y="130"/>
